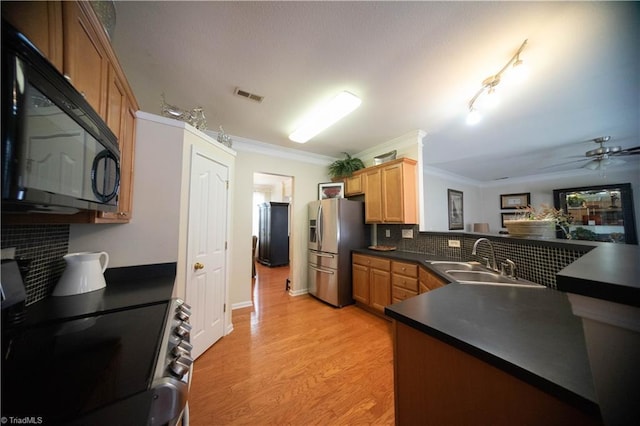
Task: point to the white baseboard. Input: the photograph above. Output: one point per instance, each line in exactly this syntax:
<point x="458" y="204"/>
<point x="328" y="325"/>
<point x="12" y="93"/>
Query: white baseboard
<point x="239" y="305"/>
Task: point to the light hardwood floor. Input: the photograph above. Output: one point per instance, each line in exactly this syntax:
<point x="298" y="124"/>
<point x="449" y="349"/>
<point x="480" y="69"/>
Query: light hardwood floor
<point x="295" y="361"/>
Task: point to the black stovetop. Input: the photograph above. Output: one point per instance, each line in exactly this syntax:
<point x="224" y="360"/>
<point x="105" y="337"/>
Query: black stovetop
<point x="78" y="354"/>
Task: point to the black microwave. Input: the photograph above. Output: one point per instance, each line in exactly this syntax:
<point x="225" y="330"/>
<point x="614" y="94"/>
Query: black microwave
<point x="58" y="155"/>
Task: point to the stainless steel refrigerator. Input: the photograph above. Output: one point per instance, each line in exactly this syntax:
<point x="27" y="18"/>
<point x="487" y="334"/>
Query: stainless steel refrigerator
<point x="336" y="226"/>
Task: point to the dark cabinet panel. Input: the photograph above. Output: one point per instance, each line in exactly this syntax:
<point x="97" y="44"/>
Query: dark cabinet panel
<point x="273" y="234"/>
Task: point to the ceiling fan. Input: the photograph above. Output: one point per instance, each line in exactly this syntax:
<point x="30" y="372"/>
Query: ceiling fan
<point x="603" y="155"/>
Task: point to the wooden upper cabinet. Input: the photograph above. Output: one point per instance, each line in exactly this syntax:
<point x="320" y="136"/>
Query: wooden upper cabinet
<point x="354" y="185"/>
<point x="41" y="23"/>
<point x="391" y="192"/>
<point x="373" y="196"/>
<point x="71" y="36"/>
<point x="121" y="116"/>
<point x="85" y="58"/>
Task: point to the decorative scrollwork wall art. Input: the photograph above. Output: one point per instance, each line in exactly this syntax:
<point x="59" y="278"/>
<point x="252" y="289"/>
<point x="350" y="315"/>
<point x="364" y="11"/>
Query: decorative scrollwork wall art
<point x="194" y="116"/>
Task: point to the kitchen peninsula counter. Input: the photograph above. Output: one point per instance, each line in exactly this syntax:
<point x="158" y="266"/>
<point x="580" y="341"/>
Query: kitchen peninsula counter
<point x="609" y="272"/>
<point x="529" y="334"/>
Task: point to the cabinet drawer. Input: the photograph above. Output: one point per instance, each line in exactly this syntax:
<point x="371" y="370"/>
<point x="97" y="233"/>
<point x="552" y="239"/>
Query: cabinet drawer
<point x="399" y="293"/>
<point x="372" y="262"/>
<point x="408" y="269"/>
<point x="405" y="282"/>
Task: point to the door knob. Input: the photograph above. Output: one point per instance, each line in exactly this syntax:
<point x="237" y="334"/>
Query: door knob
<point x="198" y="265"/>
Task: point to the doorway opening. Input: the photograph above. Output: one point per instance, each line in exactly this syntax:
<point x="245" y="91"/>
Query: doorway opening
<point x="271" y="224"/>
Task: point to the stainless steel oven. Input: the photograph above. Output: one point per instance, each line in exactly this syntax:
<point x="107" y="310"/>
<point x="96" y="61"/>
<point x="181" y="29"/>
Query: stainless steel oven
<point x="127" y="366"/>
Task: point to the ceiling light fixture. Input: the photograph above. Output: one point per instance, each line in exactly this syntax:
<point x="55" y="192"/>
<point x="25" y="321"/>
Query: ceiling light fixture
<point x="489" y="85"/>
<point x="325" y="116"/>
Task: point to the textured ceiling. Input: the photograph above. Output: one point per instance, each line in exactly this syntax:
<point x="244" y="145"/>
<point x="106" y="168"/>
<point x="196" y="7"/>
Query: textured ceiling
<point x="415" y="65"/>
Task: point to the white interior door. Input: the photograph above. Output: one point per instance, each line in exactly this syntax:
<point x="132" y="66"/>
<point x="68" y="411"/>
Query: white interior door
<point x="206" y="256"/>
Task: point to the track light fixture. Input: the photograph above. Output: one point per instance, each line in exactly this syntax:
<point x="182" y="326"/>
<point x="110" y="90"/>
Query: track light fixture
<point x="488" y="87"/>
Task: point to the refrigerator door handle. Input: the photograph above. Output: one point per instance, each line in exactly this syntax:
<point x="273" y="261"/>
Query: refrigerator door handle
<point x="330" y="256"/>
<point x="325" y="271"/>
<point x="319" y="225"/>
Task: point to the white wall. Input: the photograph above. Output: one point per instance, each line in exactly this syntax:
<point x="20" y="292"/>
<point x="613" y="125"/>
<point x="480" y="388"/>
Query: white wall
<point x="307" y="171"/>
<point x="157" y="232"/>
<point x="436" y="184"/>
<point x="482" y="200"/>
<point x="541" y="189"/>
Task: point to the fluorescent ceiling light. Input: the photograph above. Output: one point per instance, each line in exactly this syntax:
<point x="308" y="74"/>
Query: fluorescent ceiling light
<point x="325" y="116"/>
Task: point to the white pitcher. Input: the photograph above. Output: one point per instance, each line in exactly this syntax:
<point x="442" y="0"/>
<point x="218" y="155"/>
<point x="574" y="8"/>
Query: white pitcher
<point x="84" y="273"/>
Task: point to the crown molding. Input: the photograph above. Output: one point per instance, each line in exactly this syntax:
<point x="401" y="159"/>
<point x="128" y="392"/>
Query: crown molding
<point x="249" y="145"/>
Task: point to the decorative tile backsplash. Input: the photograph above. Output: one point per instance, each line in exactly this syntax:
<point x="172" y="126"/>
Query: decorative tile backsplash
<point x="41" y="248"/>
<point x="536" y="260"/>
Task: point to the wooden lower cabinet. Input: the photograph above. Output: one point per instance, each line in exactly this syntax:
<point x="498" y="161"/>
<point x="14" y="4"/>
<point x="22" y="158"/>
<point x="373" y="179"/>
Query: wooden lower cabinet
<point x="429" y="281"/>
<point x="438" y="384"/>
<point x="371" y="280"/>
<point x="404" y="280"/>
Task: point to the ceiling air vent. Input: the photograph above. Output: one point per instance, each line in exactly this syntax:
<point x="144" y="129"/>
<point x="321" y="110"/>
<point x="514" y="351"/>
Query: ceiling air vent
<point x="248" y="95"/>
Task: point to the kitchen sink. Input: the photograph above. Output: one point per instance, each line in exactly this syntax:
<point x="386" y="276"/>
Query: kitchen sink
<point x="481" y="276"/>
<point x="444" y="265"/>
<point x="488" y="277"/>
<point x="475" y="273"/>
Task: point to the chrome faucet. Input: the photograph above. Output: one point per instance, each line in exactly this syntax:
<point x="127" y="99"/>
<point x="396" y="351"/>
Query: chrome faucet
<point x="512" y="269"/>
<point x="493" y="265"/>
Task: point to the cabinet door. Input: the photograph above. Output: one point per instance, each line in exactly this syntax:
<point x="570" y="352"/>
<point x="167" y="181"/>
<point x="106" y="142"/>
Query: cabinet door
<point x="373" y="196"/>
<point x="360" y="281"/>
<point x="392" y="194"/>
<point x="121" y="118"/>
<point x="380" y="287"/>
<point x="354" y="185"/>
<point x="41" y="23"/>
<point x="429" y="281"/>
<point x="85" y="60"/>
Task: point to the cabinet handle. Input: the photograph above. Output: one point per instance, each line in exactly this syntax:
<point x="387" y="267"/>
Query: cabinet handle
<point x="68" y="78"/>
<point x="198" y="266"/>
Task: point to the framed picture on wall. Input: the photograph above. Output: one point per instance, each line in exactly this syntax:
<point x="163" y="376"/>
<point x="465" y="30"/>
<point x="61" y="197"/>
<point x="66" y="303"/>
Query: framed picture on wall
<point x="515" y="201"/>
<point x="330" y="190"/>
<point x="508" y="216"/>
<point x="455" y="209"/>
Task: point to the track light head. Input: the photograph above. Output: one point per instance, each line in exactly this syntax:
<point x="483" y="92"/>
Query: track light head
<point x="489" y="84"/>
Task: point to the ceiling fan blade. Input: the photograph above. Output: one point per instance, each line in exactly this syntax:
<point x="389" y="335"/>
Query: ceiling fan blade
<point x="566" y="163"/>
<point x="629" y="151"/>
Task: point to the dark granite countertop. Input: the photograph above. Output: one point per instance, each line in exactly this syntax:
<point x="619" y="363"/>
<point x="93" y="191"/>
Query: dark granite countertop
<point x="529" y="333"/>
<point x="402" y="255"/>
<point x="609" y="271"/>
<point x="127" y="287"/>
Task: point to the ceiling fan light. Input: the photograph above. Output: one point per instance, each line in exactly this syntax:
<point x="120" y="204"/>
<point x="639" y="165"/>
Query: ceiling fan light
<point x="592" y="165"/>
<point x="324" y="116"/>
<point x="474" y="117"/>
